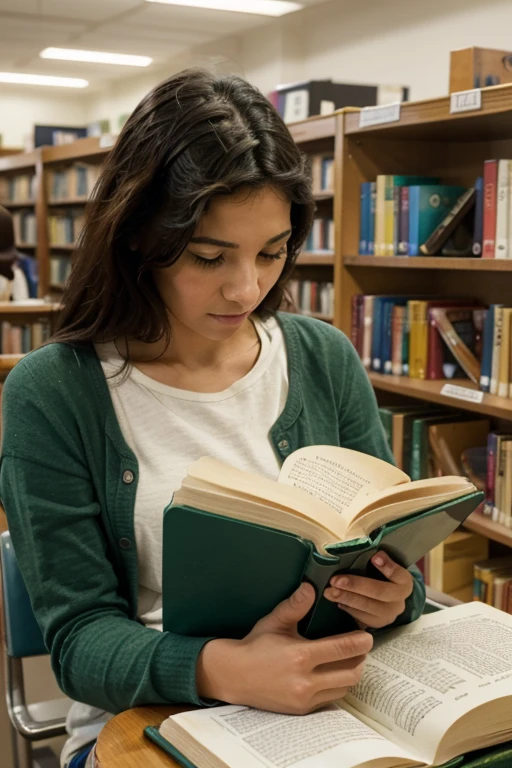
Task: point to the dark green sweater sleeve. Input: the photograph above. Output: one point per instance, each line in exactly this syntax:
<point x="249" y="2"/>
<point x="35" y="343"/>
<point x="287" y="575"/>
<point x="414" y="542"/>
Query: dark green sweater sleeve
<point x="100" y="654"/>
<point x="362" y="430"/>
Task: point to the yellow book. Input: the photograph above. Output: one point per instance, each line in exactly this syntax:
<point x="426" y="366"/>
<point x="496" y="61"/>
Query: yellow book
<point x="496" y="348"/>
<point x="504" y="358"/>
<point x="418" y="339"/>
<point x="389" y="216"/>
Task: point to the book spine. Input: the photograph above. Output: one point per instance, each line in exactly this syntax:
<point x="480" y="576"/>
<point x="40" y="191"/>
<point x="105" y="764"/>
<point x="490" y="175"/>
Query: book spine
<point x="502" y="210"/>
<point x="405" y="344"/>
<point x="354" y="330"/>
<point x="487" y="346"/>
<point x="414" y="221"/>
<point x="503" y="366"/>
<point x="491" y="469"/>
<point x="397" y="331"/>
<point x="371" y="218"/>
<point x="416" y="449"/>
<point x="367" y="331"/>
<point x="497" y="481"/>
<point x="363" y="229"/>
<point x="496" y="348"/>
<point x="489" y="228"/>
<point x="380" y="234"/>
<point x="403" y="245"/>
<point x="376" y="334"/>
<point x="479" y="217"/>
<point x="418" y="330"/>
<point x="435" y="350"/>
<point x="387" y="315"/>
<point x="396" y="220"/>
<point x="388" y="216"/>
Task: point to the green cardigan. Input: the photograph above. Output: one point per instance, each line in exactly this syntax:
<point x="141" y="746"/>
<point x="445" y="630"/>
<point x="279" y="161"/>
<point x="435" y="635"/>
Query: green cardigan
<point x="68" y="482"/>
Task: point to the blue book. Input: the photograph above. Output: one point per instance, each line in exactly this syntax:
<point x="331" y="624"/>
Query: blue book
<point x="386" y="335"/>
<point x="371" y="218"/>
<point x="379" y="302"/>
<point x="364" y="219"/>
<point x="487" y="346"/>
<point x="478" y="232"/>
<point x="428" y="205"/>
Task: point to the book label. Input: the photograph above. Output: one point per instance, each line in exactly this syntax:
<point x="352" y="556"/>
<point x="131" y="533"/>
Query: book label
<point x="387" y="113"/>
<point x="465" y="101"/>
<point x="462" y="393"/>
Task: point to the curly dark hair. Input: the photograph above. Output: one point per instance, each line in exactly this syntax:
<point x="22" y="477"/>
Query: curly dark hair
<point x="195" y="136"/>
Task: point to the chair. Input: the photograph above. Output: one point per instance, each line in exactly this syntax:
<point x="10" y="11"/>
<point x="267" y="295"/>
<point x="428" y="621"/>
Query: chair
<point x="21" y="638"/>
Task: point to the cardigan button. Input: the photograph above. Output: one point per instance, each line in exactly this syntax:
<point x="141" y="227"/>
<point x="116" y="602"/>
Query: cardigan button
<point x="128" y="477"/>
<point x="125" y="543"/>
<point x="283" y="445"/>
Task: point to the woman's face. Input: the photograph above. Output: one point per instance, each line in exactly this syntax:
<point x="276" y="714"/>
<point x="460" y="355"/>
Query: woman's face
<point x="235" y="257"/>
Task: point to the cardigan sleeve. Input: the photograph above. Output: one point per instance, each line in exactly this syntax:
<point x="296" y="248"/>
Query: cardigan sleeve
<point x="361" y="429"/>
<point x="100" y="654"/>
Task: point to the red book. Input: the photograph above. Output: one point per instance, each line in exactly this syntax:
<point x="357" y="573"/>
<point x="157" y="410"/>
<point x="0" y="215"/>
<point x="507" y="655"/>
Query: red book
<point x="490" y="185"/>
<point x="354" y="331"/>
<point x="435" y="357"/>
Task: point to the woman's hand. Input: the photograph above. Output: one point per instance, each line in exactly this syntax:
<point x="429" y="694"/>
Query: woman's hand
<point x="371" y="602"/>
<point x="276" y="669"/>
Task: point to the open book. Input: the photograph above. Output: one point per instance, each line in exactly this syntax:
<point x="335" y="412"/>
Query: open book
<point x="324" y="493"/>
<point x="430" y="692"/>
<point x="228" y="535"/>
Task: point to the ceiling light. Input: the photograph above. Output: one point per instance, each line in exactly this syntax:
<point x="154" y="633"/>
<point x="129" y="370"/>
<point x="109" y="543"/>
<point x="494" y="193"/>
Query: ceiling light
<point x="96" y="57"/>
<point x="62" y="82"/>
<point x="258" y="7"/>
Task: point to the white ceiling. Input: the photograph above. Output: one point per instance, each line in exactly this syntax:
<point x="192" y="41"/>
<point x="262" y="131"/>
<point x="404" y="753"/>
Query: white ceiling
<point x="120" y="26"/>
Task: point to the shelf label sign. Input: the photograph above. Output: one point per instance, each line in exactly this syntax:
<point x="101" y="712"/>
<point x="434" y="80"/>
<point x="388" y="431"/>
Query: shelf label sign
<point x="466" y="101"/>
<point x="462" y="393"/>
<point x="386" y="113"/>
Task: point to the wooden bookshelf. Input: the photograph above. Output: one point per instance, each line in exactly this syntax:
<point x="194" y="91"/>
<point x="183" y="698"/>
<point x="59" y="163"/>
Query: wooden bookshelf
<point x="494" y="531"/>
<point x="17" y="203"/>
<point x="316" y="258"/>
<point x="68" y="201"/>
<point x="429" y="262"/>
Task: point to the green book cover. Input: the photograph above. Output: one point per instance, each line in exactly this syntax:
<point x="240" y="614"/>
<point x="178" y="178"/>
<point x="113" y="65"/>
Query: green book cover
<point x="428" y="205"/>
<point x="221" y="575"/>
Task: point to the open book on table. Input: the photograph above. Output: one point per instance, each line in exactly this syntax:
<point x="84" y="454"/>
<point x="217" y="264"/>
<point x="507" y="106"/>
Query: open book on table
<point x="235" y="544"/>
<point x="431" y="692"/>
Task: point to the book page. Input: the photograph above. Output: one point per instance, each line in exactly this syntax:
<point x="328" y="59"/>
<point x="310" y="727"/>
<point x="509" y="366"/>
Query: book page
<point x="240" y="736"/>
<point x="340" y="477"/>
<point x="420" y="679"/>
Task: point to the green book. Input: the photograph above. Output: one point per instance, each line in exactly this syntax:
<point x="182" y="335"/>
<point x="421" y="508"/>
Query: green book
<point x="431" y="693"/>
<point x="236" y="544"/>
<point x="428" y="206"/>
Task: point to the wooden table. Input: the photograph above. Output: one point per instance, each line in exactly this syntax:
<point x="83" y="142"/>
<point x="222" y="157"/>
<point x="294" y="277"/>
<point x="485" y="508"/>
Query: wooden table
<point x="122" y="744"/>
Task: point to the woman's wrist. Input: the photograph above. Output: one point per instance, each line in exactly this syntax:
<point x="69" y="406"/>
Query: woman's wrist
<point x="215" y="673"/>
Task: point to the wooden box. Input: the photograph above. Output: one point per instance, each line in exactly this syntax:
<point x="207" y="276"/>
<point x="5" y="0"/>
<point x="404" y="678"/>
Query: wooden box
<point x="479" y="68"/>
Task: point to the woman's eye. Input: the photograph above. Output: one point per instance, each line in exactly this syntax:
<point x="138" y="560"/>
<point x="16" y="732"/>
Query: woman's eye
<point x="207" y="263"/>
<point x="275" y="256"/>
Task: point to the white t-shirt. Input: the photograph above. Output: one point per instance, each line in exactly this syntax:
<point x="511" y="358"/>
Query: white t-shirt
<point x="169" y="428"/>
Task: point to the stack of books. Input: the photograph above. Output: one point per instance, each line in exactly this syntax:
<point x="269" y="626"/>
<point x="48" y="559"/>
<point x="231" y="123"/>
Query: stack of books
<point x="74" y="182"/>
<point x="321" y="236"/>
<point x="18" y="189"/>
<point x="312" y="297"/>
<point x="64" y="226"/>
<point x="25" y="227"/>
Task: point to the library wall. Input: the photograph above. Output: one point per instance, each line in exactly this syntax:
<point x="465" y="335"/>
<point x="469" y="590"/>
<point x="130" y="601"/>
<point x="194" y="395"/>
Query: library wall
<point x="21" y="108"/>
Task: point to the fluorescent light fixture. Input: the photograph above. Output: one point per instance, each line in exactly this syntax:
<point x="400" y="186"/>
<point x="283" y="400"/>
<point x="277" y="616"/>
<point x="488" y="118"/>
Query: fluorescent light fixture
<point x="62" y="82"/>
<point x="96" y="57"/>
<point x="258" y="7"/>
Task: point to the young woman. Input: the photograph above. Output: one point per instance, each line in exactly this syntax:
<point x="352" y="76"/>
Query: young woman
<point x="170" y="347"/>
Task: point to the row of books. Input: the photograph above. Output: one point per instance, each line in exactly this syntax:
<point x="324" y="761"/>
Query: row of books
<point x="498" y="487"/>
<point x="496" y="355"/>
<point x="76" y="181"/>
<point x="322" y="171"/>
<point x="60" y="268"/>
<point x="492" y="582"/>
<point x="417" y="215"/>
<point x="321" y="235"/>
<point x="18" y="189"/>
<point x="309" y="296"/>
<point x="20" y="339"/>
<point x="65" y="226"/>
<point x="422" y="338"/>
<point x="25" y="227"/>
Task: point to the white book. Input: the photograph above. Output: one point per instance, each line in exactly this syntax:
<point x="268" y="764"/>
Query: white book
<point x="496" y="346"/>
<point x="501" y="250"/>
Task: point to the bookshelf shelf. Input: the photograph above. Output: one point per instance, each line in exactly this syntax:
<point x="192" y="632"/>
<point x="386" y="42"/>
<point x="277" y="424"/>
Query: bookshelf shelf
<point x="26" y="246"/>
<point x="81" y="149"/>
<point x="68" y="247"/>
<point x="499" y="407"/>
<point x="324" y="195"/>
<point x="24" y="160"/>
<point x="429" y="262"/>
<point x="26" y="308"/>
<point x="315" y="258"/>
<point x="7" y="363"/>
<point x="314" y="128"/>
<point x="431" y="120"/>
<point x="17" y="203"/>
<point x="68" y="201"/>
<point x="480" y="524"/>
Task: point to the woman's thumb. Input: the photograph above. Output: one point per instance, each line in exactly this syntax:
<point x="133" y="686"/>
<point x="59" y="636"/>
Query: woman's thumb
<point x="285" y="616"/>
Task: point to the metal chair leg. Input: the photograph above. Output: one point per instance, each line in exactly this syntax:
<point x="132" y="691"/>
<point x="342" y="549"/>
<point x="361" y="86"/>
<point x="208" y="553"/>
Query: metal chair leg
<point x="22" y="751"/>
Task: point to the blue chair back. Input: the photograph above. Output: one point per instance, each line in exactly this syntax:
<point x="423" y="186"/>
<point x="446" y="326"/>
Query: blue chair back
<point x="23" y="636"/>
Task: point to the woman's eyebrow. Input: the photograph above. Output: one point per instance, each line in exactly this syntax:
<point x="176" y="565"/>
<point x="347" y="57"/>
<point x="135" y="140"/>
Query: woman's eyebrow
<point x="227" y="244"/>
